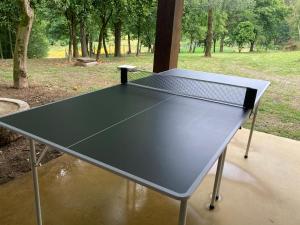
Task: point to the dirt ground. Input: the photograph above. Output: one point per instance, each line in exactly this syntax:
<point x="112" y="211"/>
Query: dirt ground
<point x="14" y="158"/>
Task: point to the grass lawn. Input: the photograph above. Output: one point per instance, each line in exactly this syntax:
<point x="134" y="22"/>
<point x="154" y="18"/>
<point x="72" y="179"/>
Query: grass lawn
<point x="279" y="113"/>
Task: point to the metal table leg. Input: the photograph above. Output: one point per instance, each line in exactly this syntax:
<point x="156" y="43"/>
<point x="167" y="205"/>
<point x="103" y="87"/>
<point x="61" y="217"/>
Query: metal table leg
<point x="182" y="212"/>
<point x="35" y="183"/>
<point x="251" y="131"/>
<point x="218" y="178"/>
<point x="221" y="172"/>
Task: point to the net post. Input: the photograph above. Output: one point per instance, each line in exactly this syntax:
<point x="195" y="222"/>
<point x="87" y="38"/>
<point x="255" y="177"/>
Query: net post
<point x="124" y="72"/>
<point x="124" y="75"/>
<point x="250" y="97"/>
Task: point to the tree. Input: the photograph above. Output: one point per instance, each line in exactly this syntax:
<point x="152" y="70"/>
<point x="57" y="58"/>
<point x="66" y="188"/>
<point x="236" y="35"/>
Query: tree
<point x="22" y="39"/>
<point x="194" y="23"/>
<point x="1" y="51"/>
<point x="148" y="35"/>
<point x="9" y="19"/>
<point x="57" y="29"/>
<point x="233" y="12"/>
<point x="104" y="12"/>
<point x="69" y="8"/>
<point x="140" y="12"/>
<point x="117" y="20"/>
<point x="49" y="24"/>
<point x="38" y="43"/>
<point x="270" y="13"/>
<point x="244" y="33"/>
<point x="267" y="16"/>
<point x="212" y="5"/>
<point x="219" y="30"/>
<point x="294" y="18"/>
<point x="92" y="31"/>
<point x="127" y="31"/>
<point x="209" y="36"/>
<point x="73" y="22"/>
<point x="84" y="10"/>
<point x="78" y="14"/>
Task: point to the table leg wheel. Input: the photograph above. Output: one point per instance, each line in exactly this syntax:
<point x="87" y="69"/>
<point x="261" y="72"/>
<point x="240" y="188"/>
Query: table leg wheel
<point x="217" y="197"/>
<point x="246" y="157"/>
<point x="211" y="207"/>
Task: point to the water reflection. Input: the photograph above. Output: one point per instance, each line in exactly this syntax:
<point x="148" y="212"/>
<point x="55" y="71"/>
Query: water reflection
<point x="235" y="173"/>
<point x="136" y="196"/>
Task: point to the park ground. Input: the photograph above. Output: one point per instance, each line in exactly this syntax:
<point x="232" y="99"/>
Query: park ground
<point x="53" y="79"/>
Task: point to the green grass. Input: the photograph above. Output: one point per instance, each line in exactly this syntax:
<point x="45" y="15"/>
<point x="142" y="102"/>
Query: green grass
<point x="279" y="113"/>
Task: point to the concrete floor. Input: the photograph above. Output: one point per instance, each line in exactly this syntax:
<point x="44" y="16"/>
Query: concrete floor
<point x="264" y="189"/>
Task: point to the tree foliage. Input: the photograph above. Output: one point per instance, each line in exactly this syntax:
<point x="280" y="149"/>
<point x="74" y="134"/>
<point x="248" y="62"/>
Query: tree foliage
<point x="38" y="44"/>
<point x="82" y="23"/>
<point x="244" y="33"/>
<point x="194" y="23"/>
<point x="294" y="18"/>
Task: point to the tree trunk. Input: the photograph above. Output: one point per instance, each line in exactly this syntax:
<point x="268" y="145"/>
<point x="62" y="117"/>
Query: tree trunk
<point x="1" y="51"/>
<point x="117" y="31"/>
<point x="70" y="43"/>
<point x="252" y="46"/>
<point x="104" y="46"/>
<point x="138" y="47"/>
<point x="100" y="39"/>
<point x="91" y="46"/>
<point x="74" y="37"/>
<point x="191" y="45"/>
<point x="215" y="42"/>
<point x="222" y="44"/>
<point x="138" y="44"/>
<point x="87" y="38"/>
<point x="129" y="44"/>
<point x="10" y="44"/>
<point x="84" y="50"/>
<point x="140" y="50"/>
<point x="22" y="38"/>
<point x="70" y="53"/>
<point x="209" y="32"/>
<point x="194" y="47"/>
<point x="104" y="22"/>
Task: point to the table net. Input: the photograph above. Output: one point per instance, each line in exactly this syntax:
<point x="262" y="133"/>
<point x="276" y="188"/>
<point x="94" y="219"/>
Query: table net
<point x="189" y="87"/>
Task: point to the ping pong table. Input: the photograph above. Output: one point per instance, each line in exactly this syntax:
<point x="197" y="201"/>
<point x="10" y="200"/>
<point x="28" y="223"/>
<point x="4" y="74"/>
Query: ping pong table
<point x="164" y="131"/>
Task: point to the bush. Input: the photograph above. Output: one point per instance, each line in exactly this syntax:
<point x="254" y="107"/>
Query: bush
<point x="38" y="44"/>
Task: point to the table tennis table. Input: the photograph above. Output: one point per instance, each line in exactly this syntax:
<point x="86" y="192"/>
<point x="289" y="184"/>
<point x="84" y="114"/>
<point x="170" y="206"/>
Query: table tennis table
<point x="162" y="130"/>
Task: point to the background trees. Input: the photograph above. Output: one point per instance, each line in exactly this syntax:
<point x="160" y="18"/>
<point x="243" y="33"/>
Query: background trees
<point x="104" y="10"/>
<point x="294" y="18"/>
<point x="194" y="23"/>
<point x="273" y="26"/>
<point x="8" y="24"/>
<point x="87" y="25"/>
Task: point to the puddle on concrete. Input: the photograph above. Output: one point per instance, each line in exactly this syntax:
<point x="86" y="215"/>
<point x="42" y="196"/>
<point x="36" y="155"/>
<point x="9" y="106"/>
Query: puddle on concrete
<point x="234" y="173"/>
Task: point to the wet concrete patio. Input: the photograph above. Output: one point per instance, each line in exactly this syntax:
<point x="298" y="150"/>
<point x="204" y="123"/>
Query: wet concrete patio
<point x="264" y="189"/>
